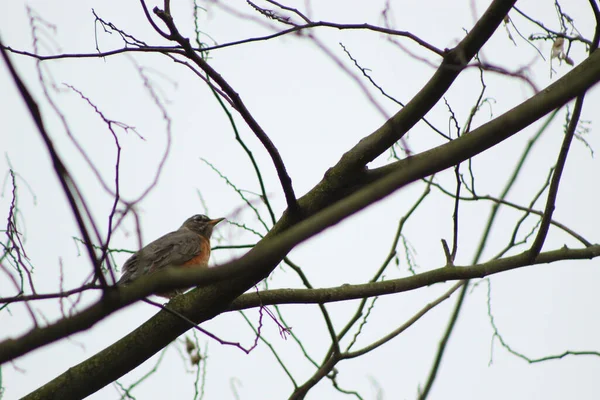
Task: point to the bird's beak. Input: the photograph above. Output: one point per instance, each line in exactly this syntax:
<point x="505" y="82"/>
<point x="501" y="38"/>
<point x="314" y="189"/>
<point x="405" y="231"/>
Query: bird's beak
<point x="213" y="222"/>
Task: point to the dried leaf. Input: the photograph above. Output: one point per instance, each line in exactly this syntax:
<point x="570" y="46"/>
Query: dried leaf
<point x="196" y="358"/>
<point x="557" y="48"/>
<point x="189" y="345"/>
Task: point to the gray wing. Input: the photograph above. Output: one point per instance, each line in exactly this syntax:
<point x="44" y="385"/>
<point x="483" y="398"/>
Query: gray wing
<point x="175" y="248"/>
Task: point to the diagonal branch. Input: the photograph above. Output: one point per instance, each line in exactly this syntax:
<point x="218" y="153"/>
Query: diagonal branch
<point x="284" y="178"/>
<point x="64" y="177"/>
<point x="442" y="346"/>
<point x="454" y="61"/>
<point x="350" y="172"/>
<point x="538" y="243"/>
<point x="406" y="325"/>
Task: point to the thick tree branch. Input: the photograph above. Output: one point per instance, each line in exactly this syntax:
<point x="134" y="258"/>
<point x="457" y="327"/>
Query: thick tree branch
<point x="454" y="61"/>
<point x="583" y="77"/>
<point x="349" y="172"/>
<point x="203" y="304"/>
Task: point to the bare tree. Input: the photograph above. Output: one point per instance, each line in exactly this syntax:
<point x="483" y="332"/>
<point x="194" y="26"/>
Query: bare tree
<point x="492" y="225"/>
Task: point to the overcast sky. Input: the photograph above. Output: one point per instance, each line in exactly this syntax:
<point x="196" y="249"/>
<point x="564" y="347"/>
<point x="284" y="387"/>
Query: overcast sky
<point x="313" y="110"/>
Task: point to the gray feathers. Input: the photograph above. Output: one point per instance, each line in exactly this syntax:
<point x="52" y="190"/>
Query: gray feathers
<point x="189" y="245"/>
<point x="175" y="248"/>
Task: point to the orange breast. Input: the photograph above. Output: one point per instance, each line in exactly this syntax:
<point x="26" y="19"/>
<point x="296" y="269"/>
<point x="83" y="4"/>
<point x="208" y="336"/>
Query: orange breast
<point x="201" y="260"/>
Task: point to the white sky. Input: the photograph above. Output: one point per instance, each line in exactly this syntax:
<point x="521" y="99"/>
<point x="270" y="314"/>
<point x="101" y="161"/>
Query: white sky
<point x="313" y="112"/>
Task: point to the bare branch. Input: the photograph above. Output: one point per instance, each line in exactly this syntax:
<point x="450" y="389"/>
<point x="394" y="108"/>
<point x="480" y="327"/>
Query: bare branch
<point x="537" y="245"/>
<point x="68" y="185"/>
<point x="442" y="345"/>
<point x="286" y="181"/>
<point x="406" y="325"/>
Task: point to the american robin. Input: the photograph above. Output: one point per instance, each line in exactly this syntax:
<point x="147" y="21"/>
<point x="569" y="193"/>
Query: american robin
<point x="188" y="245"/>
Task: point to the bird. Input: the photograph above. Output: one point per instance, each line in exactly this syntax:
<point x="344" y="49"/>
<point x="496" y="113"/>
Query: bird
<point x="187" y="246"/>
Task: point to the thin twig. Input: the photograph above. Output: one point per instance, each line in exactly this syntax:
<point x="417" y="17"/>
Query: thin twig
<point x="284" y="178"/>
<point x="64" y="177"/>
<point x="538" y="243"/>
<point x="406" y="325"/>
<point x="444" y="341"/>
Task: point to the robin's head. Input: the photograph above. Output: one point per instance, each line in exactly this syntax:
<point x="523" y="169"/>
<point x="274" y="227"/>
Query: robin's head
<point x="201" y="224"/>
